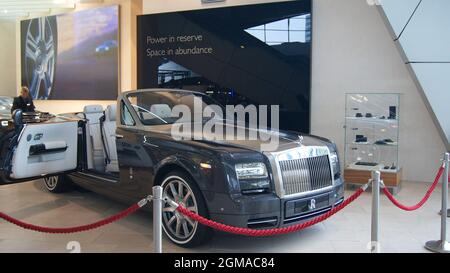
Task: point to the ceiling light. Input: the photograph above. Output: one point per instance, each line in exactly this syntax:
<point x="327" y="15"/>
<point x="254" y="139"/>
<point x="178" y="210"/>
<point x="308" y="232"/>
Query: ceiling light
<point x="5" y="11"/>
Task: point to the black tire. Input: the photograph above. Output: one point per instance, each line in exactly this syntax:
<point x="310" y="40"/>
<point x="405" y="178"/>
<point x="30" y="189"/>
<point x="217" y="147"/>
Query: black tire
<point x="58" y="184"/>
<point x="200" y="233"/>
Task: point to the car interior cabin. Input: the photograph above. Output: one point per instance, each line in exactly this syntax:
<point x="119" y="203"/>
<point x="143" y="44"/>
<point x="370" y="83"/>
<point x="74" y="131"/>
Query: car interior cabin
<point x="101" y="138"/>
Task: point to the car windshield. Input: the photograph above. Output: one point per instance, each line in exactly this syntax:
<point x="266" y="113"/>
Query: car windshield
<point x="156" y="107"/>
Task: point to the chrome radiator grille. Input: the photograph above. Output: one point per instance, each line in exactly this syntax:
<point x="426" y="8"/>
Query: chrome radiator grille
<point x="305" y="174"/>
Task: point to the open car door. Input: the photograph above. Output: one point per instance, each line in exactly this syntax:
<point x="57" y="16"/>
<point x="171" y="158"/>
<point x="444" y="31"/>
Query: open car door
<point x="41" y="149"/>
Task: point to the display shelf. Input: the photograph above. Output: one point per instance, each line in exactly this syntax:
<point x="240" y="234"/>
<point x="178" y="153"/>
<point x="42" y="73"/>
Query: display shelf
<point x="391" y="179"/>
<point x="372" y="120"/>
<point x="372" y="142"/>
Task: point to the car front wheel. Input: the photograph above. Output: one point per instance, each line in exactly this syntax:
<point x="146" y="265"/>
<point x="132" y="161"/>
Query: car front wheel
<point x="180" y="229"/>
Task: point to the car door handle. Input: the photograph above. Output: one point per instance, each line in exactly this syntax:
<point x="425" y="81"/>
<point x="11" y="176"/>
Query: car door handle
<point x="119" y="136"/>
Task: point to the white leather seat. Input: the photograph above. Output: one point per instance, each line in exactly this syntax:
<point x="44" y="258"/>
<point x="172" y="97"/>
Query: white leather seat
<point x="93" y="114"/>
<point x="109" y="135"/>
<point x="161" y="110"/>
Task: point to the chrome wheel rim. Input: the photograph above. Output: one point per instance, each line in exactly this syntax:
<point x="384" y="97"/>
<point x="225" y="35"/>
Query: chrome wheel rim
<point x="51" y="182"/>
<point x="40" y="57"/>
<point x="177" y="226"/>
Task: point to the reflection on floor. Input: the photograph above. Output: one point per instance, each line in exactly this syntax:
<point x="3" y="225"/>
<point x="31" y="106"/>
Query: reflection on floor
<point x="348" y="231"/>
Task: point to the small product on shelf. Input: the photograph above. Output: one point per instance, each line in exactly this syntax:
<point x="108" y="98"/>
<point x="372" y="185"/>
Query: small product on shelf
<point x="386" y="141"/>
<point x="392" y="112"/>
<point x="361" y="139"/>
<point x="366" y="166"/>
<point x="373" y="164"/>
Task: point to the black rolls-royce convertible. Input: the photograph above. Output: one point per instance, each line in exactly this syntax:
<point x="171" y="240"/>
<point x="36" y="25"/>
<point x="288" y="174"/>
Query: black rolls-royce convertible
<point x="124" y="150"/>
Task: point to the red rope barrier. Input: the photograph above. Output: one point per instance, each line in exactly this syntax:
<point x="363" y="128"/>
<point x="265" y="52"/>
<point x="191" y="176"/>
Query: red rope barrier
<point x="98" y="224"/>
<point x="269" y="232"/>
<point x="424" y="199"/>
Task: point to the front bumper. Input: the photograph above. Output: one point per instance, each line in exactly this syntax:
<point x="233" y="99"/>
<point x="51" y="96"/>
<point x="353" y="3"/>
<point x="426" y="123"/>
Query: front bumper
<point x="268" y="211"/>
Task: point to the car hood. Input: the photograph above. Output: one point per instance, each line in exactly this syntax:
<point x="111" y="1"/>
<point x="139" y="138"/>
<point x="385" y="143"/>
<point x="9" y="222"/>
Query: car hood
<point x="282" y="139"/>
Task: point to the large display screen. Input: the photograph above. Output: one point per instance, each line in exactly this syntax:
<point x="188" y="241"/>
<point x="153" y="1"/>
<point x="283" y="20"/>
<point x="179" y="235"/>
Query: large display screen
<point x="72" y="56"/>
<point x="253" y="54"/>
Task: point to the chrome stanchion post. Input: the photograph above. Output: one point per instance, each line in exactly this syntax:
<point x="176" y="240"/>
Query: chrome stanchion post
<point x="157" y="219"/>
<point x="448" y="211"/>
<point x="375" y="228"/>
<point x="442" y="246"/>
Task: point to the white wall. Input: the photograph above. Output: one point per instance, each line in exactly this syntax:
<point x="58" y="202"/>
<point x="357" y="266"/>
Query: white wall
<point x="7" y="58"/>
<point x="353" y="52"/>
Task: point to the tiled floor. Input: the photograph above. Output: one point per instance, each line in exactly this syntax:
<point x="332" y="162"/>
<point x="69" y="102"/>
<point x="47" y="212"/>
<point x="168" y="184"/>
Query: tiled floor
<point x="348" y="231"/>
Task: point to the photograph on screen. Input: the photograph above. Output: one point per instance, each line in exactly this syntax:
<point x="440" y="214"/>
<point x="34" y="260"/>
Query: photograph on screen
<point x="72" y="56"/>
<point x="252" y="54"/>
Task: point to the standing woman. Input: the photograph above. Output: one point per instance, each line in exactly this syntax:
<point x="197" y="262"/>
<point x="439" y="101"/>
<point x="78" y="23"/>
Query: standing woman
<point x="24" y="101"/>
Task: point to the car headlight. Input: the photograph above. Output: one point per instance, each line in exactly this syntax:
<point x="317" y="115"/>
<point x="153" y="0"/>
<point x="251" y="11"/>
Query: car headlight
<point x="335" y="162"/>
<point x="251" y="170"/>
<point x="253" y="177"/>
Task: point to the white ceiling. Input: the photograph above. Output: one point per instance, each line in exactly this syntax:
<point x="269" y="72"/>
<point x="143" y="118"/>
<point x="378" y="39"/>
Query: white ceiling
<point x="16" y="9"/>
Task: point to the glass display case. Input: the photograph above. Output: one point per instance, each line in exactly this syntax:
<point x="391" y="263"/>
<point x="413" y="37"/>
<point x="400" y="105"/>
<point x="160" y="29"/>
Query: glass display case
<point x="372" y="137"/>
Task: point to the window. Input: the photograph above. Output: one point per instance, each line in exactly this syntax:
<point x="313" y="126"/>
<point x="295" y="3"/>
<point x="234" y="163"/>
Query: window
<point x="294" y="29"/>
<point x="125" y="116"/>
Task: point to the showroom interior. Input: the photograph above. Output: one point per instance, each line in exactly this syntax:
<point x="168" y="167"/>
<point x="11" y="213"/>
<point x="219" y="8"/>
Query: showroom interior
<point x="377" y="65"/>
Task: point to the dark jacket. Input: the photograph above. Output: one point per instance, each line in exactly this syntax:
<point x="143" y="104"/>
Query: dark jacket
<point x="25" y="105"/>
